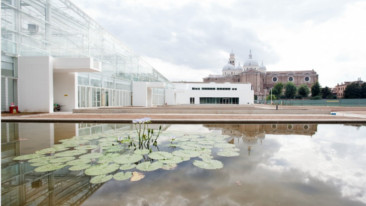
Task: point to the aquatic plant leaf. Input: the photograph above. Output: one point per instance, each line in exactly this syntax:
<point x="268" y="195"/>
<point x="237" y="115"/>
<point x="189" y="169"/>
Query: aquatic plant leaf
<point x="94" y="155"/>
<point x="49" y="167"/>
<point x="208" y="164"/>
<point x="70" y="153"/>
<point x="79" y="161"/>
<point x="28" y="157"/>
<point x="87" y="147"/>
<point x="127" y="166"/>
<point x="101" y="169"/>
<point x="147" y="166"/>
<point x="206" y="157"/>
<point x="115" y="148"/>
<point x="160" y="155"/>
<point x="79" y="167"/>
<point x="100" y="179"/>
<point x="228" y="153"/>
<point x="62" y="159"/>
<point x="41" y="159"/>
<point x="142" y="151"/>
<point x="169" y="166"/>
<point x="186" y="153"/>
<point x="128" y="158"/>
<point x="136" y="176"/>
<point x="59" y="147"/>
<point x="38" y="164"/>
<point x="122" y="176"/>
<point x="46" y="151"/>
<point x="107" y="158"/>
<point x="173" y="160"/>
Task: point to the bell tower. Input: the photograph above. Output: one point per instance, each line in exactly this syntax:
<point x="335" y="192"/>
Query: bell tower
<point x="232" y="58"/>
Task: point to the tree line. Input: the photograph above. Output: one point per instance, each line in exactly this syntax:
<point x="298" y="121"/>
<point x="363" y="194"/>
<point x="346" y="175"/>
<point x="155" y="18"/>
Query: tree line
<point x="290" y="91"/>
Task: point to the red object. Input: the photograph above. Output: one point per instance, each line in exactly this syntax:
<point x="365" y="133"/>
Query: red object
<point x="13" y="109"/>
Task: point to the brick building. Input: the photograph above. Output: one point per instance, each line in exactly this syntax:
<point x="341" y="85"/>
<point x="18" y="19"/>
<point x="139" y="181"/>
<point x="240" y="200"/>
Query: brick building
<point x="258" y="76"/>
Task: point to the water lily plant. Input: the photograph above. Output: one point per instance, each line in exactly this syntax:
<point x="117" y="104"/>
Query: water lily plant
<point x="145" y="135"/>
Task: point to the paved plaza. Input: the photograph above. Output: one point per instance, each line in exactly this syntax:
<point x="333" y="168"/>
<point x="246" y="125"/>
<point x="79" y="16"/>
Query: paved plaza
<point x="202" y="114"/>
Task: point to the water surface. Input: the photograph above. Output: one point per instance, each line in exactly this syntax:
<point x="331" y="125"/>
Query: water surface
<point x="284" y="164"/>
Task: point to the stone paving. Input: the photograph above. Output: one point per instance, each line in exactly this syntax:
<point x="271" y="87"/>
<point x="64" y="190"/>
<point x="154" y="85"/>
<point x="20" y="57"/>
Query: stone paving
<point x="343" y="115"/>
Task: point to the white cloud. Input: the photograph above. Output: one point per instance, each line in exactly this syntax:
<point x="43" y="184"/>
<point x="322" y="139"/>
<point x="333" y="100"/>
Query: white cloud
<point x="197" y="36"/>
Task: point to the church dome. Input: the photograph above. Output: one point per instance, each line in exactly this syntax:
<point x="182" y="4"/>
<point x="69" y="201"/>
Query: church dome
<point x="250" y="61"/>
<point x="262" y="68"/>
<point x="239" y="67"/>
<point x="228" y="67"/>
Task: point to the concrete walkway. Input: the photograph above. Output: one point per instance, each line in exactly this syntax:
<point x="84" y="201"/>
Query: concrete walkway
<point x="203" y="114"/>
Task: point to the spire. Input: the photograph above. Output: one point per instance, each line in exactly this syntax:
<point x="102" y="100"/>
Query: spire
<point x="250" y="54"/>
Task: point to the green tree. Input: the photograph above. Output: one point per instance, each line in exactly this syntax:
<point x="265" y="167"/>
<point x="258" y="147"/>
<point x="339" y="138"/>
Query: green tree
<point x="326" y="93"/>
<point x="277" y="90"/>
<point x="352" y="91"/>
<point x="303" y="91"/>
<point x="315" y="89"/>
<point x="363" y="90"/>
<point x="269" y="97"/>
<point x="290" y="90"/>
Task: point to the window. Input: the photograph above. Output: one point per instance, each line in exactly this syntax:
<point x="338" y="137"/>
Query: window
<point x="223" y="88"/>
<point x="196" y="88"/>
<point x="191" y="100"/>
<point x="234" y="89"/>
<point x="307" y="79"/>
<point x="290" y="79"/>
<point x="208" y="88"/>
<point x="219" y="100"/>
<point x="274" y="79"/>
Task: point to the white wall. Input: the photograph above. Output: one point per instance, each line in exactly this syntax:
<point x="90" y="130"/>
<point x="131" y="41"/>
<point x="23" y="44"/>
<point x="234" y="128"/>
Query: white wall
<point x="35" y="84"/>
<point x="65" y="90"/>
<point x="139" y="91"/>
<point x="184" y="92"/>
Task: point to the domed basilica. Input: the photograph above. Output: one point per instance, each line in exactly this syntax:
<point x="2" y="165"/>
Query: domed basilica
<point x="258" y="76"/>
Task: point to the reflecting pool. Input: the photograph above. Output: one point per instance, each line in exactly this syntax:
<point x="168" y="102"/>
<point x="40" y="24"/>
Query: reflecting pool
<point x="221" y="164"/>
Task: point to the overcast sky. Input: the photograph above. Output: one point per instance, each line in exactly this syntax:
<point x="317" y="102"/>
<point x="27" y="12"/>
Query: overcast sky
<point x="189" y="39"/>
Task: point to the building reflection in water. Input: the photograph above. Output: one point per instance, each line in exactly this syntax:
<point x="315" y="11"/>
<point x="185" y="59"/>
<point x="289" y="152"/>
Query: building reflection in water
<point x="22" y="186"/>
<point x="252" y="134"/>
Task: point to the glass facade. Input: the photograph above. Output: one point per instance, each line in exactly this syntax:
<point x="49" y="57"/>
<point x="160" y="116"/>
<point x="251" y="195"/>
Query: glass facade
<point x="219" y="100"/>
<point x="60" y="29"/>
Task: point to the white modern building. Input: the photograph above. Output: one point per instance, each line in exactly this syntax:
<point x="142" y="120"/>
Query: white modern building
<point x="53" y="53"/>
<point x="211" y="93"/>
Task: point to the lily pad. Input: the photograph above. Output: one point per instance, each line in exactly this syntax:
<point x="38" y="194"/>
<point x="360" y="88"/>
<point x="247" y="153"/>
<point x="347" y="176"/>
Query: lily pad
<point x="101" y="169"/>
<point x="136" y="176"/>
<point x="62" y="159"/>
<point x="46" y="151"/>
<point x="100" y="179"/>
<point x="127" y="159"/>
<point x="228" y="153"/>
<point x="49" y="167"/>
<point x="147" y="166"/>
<point x="186" y="153"/>
<point x="142" y="151"/>
<point x="87" y="147"/>
<point x="122" y="176"/>
<point x="173" y="160"/>
<point x="127" y="166"/>
<point x="224" y="145"/>
<point x="169" y="166"/>
<point x="38" y="164"/>
<point x="79" y="167"/>
<point x="160" y="155"/>
<point x="107" y="158"/>
<point x="41" y="159"/>
<point x="79" y="162"/>
<point x="28" y="157"/>
<point x="59" y="147"/>
<point x="91" y="156"/>
<point x="70" y="153"/>
<point x="208" y="164"/>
